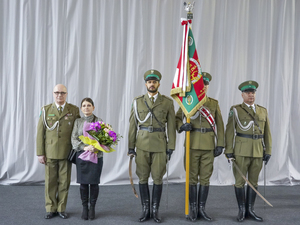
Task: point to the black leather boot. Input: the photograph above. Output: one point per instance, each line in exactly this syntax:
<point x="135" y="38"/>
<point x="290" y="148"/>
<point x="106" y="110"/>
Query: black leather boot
<point x="93" y="199"/>
<point x="251" y="195"/>
<point x="145" y="200"/>
<point x="193" y="202"/>
<point x="84" y="194"/>
<point x="240" y="197"/>
<point x="202" y="197"/>
<point x="156" y="195"/>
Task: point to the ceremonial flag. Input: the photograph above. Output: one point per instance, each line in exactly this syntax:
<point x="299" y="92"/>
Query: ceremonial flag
<point x="188" y="87"/>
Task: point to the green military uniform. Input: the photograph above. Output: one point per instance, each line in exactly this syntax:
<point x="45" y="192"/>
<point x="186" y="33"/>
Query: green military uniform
<point x="244" y="141"/>
<point x="247" y="150"/>
<point x="202" y="145"/>
<point x="56" y="144"/>
<point x="152" y="145"/>
<point x="152" y="132"/>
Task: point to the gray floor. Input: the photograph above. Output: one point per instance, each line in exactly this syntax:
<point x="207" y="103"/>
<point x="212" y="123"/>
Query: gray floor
<point x="117" y="205"/>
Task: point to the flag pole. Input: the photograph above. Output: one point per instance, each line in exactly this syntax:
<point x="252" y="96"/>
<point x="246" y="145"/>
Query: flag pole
<point x="187" y="169"/>
<point x="188" y="7"/>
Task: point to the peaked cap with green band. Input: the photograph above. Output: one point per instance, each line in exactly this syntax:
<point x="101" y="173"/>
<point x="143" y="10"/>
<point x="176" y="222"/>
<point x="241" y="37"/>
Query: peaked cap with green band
<point x="152" y="75"/>
<point x="206" y="76"/>
<point x="249" y="85"/>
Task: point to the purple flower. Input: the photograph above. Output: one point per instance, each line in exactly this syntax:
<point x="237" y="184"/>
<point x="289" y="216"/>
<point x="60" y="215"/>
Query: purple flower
<point x="95" y="126"/>
<point x="113" y="135"/>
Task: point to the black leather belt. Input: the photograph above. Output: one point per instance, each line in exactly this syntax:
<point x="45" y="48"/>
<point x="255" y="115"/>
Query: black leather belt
<point x="252" y="136"/>
<point x="203" y="130"/>
<point x="152" y="129"/>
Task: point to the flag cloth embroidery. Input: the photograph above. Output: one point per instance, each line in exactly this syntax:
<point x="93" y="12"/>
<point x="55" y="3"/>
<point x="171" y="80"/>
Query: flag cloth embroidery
<point x="188" y="87"/>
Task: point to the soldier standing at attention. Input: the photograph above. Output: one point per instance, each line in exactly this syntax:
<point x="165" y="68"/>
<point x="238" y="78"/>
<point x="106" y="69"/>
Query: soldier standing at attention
<point x="248" y="142"/>
<point x="53" y="145"/>
<point x="150" y="115"/>
<point x="205" y="126"/>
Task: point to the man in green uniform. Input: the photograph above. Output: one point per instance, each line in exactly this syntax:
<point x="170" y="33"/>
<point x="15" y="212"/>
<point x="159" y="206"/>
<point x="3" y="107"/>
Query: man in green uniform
<point x="150" y="115"/>
<point x="204" y="132"/>
<point x="53" y="145"/>
<point x="248" y="142"/>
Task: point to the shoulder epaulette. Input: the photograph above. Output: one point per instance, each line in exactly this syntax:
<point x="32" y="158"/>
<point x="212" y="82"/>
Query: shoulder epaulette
<point x="262" y="107"/>
<point x="167" y="97"/>
<point x="212" y="99"/>
<point x="141" y="96"/>
<point x="72" y="105"/>
<point x="47" y="106"/>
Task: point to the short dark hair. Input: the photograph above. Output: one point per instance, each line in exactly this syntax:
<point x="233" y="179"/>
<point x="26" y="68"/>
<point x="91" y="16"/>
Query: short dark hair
<point x="87" y="100"/>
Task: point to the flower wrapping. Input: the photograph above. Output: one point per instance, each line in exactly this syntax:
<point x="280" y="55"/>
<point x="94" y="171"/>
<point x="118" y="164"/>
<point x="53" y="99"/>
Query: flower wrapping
<point x="101" y="136"/>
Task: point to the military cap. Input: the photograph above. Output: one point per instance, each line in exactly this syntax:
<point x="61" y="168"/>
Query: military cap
<point x="248" y="85"/>
<point x="206" y="76"/>
<point x="152" y="75"/>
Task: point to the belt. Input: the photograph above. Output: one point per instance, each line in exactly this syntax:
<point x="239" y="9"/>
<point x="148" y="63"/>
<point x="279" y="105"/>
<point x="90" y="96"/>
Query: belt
<point x="252" y="136"/>
<point x="152" y="129"/>
<point x="202" y="129"/>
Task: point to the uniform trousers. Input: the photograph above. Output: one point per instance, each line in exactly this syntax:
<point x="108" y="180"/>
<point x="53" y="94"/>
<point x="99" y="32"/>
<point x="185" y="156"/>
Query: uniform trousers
<point x="150" y="162"/>
<point x="249" y="165"/>
<point x="57" y="183"/>
<point x="201" y="165"/>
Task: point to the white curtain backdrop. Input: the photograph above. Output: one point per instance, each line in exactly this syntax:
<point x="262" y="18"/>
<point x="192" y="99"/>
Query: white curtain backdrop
<point x="101" y="49"/>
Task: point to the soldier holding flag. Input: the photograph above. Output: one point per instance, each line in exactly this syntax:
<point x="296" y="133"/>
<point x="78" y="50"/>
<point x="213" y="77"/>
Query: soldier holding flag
<point x="150" y="115"/>
<point x="205" y="125"/>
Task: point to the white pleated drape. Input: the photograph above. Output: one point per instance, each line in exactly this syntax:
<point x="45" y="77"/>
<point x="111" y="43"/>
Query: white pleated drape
<point x="101" y="49"/>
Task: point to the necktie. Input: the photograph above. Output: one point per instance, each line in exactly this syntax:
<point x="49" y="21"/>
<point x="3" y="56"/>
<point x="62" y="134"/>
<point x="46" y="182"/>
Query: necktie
<point x="152" y="100"/>
<point x="60" y="110"/>
<point x="252" y="109"/>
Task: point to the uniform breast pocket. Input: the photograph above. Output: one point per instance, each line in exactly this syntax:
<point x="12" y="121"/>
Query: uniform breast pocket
<point x="51" y="121"/>
<point x="142" y="114"/>
<point x="162" y="114"/>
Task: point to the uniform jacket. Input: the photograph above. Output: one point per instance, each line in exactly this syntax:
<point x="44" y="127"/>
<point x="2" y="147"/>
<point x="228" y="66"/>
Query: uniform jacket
<point x="205" y="141"/>
<point x="163" y="109"/>
<point x="248" y="147"/>
<point x="56" y="144"/>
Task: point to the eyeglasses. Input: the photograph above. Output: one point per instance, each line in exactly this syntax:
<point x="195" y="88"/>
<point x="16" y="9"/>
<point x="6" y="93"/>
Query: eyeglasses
<point x="62" y="93"/>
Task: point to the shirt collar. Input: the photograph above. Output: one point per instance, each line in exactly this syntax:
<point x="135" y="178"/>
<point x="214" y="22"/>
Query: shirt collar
<point x="155" y="96"/>
<point x="253" y="106"/>
<point x="62" y="106"/>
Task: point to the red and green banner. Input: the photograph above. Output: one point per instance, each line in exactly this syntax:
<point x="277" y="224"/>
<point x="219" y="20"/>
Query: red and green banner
<point x="188" y="87"/>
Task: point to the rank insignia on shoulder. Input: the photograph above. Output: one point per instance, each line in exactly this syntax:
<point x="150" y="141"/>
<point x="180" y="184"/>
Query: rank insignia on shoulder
<point x="230" y="113"/>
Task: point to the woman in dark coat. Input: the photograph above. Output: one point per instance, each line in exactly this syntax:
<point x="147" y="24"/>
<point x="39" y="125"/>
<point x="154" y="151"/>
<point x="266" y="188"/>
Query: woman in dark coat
<point x="88" y="173"/>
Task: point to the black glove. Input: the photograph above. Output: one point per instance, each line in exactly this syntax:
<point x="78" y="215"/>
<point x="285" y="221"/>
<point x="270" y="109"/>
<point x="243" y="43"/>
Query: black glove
<point x="131" y="152"/>
<point x="218" y="151"/>
<point x="185" y="127"/>
<point x="230" y="156"/>
<point x="169" y="152"/>
<point x="266" y="158"/>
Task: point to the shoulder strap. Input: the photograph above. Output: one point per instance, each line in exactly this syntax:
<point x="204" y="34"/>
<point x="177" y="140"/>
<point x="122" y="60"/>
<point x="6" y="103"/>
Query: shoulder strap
<point x="159" y="123"/>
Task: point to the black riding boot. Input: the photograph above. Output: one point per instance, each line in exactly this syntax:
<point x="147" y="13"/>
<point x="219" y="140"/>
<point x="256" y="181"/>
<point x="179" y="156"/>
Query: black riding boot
<point x="251" y="195"/>
<point x="240" y="197"/>
<point x="84" y="194"/>
<point x="156" y="195"/>
<point x="193" y="203"/>
<point x="93" y="199"/>
<point x="202" y="197"/>
<point x="145" y="200"/>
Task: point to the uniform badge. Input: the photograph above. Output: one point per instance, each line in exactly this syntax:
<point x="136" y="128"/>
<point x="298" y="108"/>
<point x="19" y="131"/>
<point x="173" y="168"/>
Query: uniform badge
<point x="230" y="113"/>
<point x="51" y="114"/>
<point x="69" y="114"/>
<point x="66" y="118"/>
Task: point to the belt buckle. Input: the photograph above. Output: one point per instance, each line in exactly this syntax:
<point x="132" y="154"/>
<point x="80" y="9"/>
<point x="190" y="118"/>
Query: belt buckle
<point x="255" y="136"/>
<point x="203" y="130"/>
<point x="150" y="129"/>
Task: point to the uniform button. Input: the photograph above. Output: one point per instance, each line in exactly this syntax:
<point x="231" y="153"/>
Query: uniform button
<point x="58" y="136"/>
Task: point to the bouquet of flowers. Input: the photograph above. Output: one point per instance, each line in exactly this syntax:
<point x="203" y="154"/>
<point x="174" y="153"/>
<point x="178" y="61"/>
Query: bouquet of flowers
<point x="101" y="136"/>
